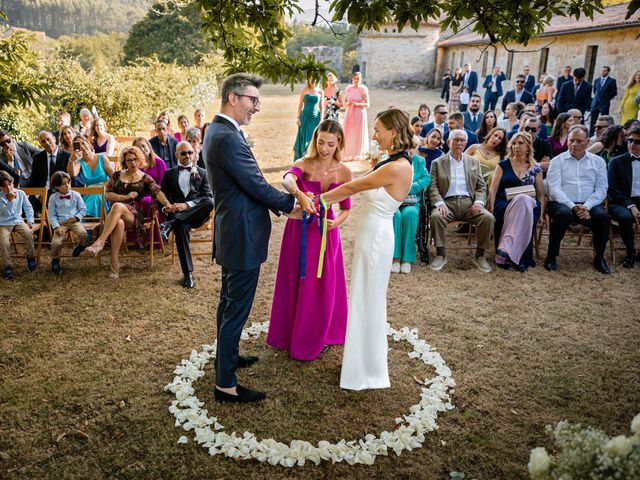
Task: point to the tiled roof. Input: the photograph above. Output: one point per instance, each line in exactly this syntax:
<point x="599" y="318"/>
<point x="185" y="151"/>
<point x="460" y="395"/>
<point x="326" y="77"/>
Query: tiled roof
<point x="611" y="17"/>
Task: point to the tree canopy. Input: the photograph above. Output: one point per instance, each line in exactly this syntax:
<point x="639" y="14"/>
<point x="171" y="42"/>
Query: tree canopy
<point x="253" y="34"/>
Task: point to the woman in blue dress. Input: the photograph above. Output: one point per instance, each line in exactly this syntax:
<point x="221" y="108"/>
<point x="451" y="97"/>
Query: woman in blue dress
<point x="310" y="112"/>
<point x="516" y="218"/>
<point x="95" y="171"/>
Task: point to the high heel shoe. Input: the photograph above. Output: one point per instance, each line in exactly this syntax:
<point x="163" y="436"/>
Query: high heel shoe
<point x="114" y="273"/>
<point x="95" y="248"/>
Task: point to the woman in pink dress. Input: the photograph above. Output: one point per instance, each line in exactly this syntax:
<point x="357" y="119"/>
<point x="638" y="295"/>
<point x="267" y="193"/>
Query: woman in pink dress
<point x="356" y="131"/>
<point x="309" y="313"/>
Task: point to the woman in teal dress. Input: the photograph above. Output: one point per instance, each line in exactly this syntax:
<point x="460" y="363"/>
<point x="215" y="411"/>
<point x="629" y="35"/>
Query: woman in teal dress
<point x="405" y="219"/>
<point x="310" y="112"/>
<point x="94" y="169"/>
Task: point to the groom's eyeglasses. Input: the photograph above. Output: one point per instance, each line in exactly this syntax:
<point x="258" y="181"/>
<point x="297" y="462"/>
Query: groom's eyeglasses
<point x="254" y="100"/>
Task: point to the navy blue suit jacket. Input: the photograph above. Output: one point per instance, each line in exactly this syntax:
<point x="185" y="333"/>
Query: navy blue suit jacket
<point x="499" y="79"/>
<point x="561" y="81"/>
<point x="529" y="83"/>
<point x="469" y="124"/>
<point x="510" y="97"/>
<point x="472" y="139"/>
<point x="566" y="100"/>
<point x="428" y="126"/>
<point x="472" y="82"/>
<point x="603" y="93"/>
<point x="157" y="148"/>
<point x="242" y="198"/>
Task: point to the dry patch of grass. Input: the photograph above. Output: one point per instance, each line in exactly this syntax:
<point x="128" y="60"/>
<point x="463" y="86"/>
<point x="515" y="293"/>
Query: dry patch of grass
<point x="83" y="360"/>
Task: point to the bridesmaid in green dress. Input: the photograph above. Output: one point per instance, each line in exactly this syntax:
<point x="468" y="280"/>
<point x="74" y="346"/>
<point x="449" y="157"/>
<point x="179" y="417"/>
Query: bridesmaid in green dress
<point x="310" y="112"/>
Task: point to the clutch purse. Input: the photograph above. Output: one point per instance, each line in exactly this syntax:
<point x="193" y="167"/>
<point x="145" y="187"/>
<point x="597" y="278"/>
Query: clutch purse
<point x="528" y="190"/>
<point x="410" y="200"/>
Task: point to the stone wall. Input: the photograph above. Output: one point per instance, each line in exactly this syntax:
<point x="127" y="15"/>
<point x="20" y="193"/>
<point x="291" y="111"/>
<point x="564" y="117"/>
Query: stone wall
<point x="333" y="55"/>
<point x="389" y="57"/>
<point x="618" y="48"/>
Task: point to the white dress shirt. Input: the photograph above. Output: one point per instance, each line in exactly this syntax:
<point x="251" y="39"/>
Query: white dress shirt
<point x="184" y="181"/>
<point x="494" y="88"/>
<point x="574" y="181"/>
<point x="235" y="124"/>
<point x="635" y="176"/>
<point x="518" y="96"/>
<point x="458" y="185"/>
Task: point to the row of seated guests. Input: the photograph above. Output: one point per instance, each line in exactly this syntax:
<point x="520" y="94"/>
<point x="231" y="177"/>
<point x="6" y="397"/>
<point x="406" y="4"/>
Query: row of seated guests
<point x="578" y="184"/>
<point x="184" y="194"/>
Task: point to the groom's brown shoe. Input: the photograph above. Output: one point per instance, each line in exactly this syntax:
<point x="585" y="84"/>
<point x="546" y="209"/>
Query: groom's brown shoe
<point x="246" y="360"/>
<point x="244" y="395"/>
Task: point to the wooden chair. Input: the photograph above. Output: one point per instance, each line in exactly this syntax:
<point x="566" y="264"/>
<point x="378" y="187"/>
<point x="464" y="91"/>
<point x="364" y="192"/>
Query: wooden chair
<point x="90" y="223"/>
<point x="39" y="224"/>
<point x="152" y="225"/>
<point x="207" y="229"/>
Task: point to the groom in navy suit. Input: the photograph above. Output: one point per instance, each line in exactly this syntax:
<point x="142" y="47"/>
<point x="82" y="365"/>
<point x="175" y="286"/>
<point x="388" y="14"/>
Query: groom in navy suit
<point x="604" y="89"/>
<point x="575" y="94"/>
<point x="242" y="225"/>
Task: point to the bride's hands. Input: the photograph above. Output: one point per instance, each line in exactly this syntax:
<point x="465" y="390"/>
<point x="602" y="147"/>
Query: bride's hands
<point x="305" y="200"/>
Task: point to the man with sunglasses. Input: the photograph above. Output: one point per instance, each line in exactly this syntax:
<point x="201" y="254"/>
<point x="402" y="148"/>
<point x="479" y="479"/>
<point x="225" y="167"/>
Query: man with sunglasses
<point x="191" y="202"/>
<point x="518" y="94"/>
<point x="624" y="193"/>
<point x="18" y="156"/>
<point x="542" y="151"/>
<point x="439" y="120"/>
<point x="603" y="122"/>
<point x="243" y="199"/>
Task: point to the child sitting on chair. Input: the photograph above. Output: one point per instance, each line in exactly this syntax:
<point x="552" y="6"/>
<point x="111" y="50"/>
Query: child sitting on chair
<point x="12" y="204"/>
<point x="66" y="210"/>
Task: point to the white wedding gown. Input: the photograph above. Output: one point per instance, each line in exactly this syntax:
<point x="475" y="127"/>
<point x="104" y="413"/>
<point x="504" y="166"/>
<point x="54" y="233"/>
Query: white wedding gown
<point x="364" y="363"/>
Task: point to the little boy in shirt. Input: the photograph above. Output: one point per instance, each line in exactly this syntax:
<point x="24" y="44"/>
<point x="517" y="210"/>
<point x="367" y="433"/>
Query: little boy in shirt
<point x="464" y="99"/>
<point x="66" y="210"/>
<point x="12" y="204"/>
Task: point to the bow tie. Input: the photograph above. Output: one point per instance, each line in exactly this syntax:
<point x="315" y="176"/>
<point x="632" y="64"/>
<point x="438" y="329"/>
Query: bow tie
<point x="65" y="197"/>
<point x="184" y="168"/>
<point x="635" y="159"/>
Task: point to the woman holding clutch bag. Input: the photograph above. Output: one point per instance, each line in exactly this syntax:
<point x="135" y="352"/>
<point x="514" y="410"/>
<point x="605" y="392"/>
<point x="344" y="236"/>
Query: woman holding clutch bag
<point x="516" y="216"/>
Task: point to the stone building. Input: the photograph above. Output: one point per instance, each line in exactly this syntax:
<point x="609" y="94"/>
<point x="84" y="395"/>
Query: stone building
<point x="332" y="55"/>
<point x="389" y="57"/>
<point x="607" y="40"/>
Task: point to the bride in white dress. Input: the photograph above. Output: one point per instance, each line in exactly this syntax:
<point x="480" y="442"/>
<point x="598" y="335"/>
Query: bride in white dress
<point x="364" y="363"/>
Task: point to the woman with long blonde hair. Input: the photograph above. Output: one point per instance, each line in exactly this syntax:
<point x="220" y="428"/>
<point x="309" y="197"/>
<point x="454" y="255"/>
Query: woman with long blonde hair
<point x="516" y="216"/>
<point x="629" y="104"/>
<point x="309" y="308"/>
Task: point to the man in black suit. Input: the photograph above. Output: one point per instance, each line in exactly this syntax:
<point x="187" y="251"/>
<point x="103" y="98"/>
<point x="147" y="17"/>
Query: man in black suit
<point x="604" y="89"/>
<point x="164" y="145"/>
<point x="49" y="161"/>
<point x="473" y="116"/>
<point x="575" y="94"/>
<point x="624" y="193"/>
<point x="542" y="151"/>
<point x="529" y="80"/>
<point x="242" y="225"/>
<point x="191" y="201"/>
<point x="562" y="79"/>
<point x="518" y="94"/>
<point x="18" y="156"/>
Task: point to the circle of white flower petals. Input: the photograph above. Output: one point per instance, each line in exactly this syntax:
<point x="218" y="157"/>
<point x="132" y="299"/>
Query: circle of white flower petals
<point x="410" y="434"/>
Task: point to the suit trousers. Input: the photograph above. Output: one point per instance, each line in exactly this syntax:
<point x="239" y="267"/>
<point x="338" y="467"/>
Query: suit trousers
<point x="5" y="242"/>
<point x="626" y="222"/>
<point x="490" y="101"/>
<point x="460" y="207"/>
<point x="562" y="217"/>
<point x="182" y="222"/>
<point x="56" y="242"/>
<point x="236" y="297"/>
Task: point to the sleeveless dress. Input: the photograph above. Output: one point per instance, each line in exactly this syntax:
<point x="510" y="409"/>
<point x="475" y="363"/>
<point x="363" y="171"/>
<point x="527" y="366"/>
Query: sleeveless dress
<point x="92" y="179"/>
<point x="364" y="362"/>
<point x="501" y="213"/>
<point x="309" y="313"/>
<point x="356" y="130"/>
<point x="309" y="120"/>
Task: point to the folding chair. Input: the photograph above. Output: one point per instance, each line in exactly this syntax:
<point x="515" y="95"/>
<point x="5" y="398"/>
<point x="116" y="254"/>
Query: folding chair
<point x="90" y="223"/>
<point x="152" y="225"/>
<point x="39" y="224"/>
<point x="206" y="227"/>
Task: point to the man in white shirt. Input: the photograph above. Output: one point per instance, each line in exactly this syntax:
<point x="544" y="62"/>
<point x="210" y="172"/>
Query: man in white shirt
<point x="458" y="192"/>
<point x="578" y="184"/>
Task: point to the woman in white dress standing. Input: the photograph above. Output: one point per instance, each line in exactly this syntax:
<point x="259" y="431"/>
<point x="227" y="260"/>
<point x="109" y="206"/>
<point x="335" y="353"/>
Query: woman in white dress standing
<point x="364" y="363"/>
